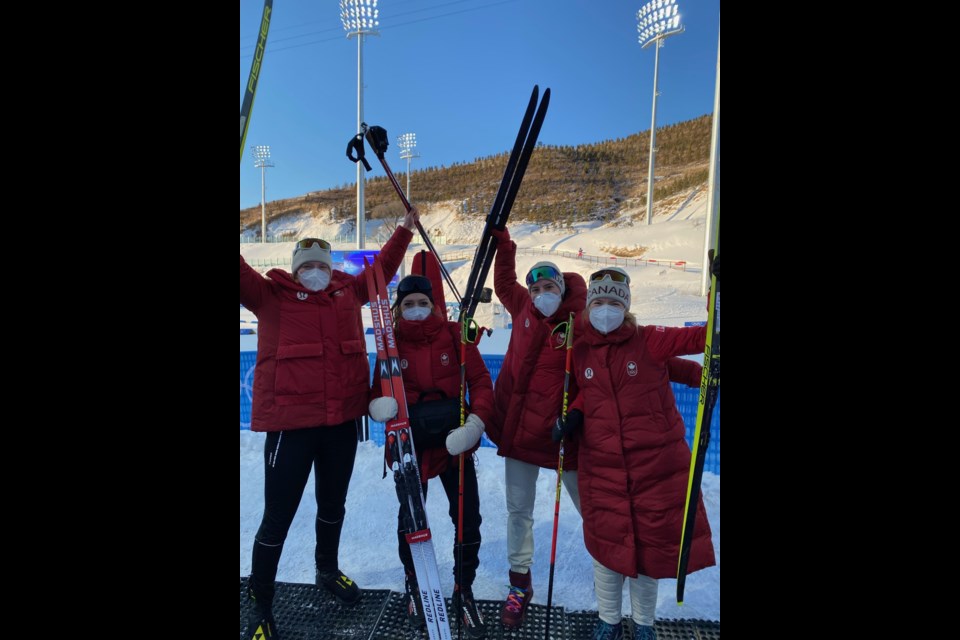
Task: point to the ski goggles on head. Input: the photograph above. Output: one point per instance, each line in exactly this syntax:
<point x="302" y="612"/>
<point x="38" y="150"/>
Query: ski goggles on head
<point x="541" y="273"/>
<point x="414" y="284"/>
<point x="306" y="243"/>
<point x="616" y="276"/>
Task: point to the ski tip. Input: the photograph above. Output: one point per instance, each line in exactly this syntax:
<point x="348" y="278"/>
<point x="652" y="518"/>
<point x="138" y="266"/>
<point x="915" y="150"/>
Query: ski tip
<point x="679" y="603"/>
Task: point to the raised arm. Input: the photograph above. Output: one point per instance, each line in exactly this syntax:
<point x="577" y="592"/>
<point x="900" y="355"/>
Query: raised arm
<point x="391" y="255"/>
<point x="511" y="293"/>
<point x="253" y="287"/>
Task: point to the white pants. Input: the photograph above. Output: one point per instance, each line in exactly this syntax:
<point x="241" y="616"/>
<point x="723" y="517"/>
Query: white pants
<point x="521" y="481"/>
<point x="609" y="586"/>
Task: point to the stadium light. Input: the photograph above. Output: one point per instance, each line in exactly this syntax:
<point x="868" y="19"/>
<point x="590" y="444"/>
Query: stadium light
<point x="407" y="142"/>
<point x="656" y="21"/>
<point x="261" y="160"/>
<point x="360" y="18"/>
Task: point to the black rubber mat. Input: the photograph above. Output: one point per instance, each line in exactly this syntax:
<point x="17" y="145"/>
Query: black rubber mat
<point x="304" y="612"/>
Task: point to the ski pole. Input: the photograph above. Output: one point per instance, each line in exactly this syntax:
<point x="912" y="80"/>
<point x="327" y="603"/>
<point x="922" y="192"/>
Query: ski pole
<point x="556" y="506"/>
<point x="377" y="137"/>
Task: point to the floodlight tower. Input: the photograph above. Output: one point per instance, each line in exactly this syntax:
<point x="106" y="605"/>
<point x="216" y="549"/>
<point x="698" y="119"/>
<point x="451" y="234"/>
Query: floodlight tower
<point x="656" y="21"/>
<point x="360" y="18"/>
<point x="261" y="160"/>
<point x="407" y="142"/>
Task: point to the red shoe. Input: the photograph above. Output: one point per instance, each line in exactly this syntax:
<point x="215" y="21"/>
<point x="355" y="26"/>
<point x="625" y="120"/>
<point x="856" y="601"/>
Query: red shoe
<point x="521" y="593"/>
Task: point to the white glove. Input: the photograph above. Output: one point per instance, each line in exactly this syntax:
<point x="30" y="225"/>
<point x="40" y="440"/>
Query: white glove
<point x="383" y="409"/>
<point x="463" y="438"/>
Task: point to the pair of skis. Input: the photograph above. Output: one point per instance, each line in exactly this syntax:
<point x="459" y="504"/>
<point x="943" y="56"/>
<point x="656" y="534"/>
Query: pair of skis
<point x="406" y="471"/>
<point x="509" y="186"/>
<point x="709" y="391"/>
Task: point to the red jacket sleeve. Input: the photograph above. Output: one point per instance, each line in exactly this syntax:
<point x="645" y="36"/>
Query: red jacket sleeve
<point x="480" y="385"/>
<point x="391" y="255"/>
<point x="253" y="286"/>
<point x="511" y="293"/>
<point x="684" y="371"/>
<point x="664" y="343"/>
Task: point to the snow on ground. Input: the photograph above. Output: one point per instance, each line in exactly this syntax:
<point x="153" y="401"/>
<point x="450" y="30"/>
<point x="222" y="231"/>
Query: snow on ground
<point x="368" y="547"/>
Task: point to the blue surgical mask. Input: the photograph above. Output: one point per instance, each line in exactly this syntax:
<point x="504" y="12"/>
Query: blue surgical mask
<point x="607" y="317"/>
<point x="315" y="279"/>
<point x="416" y="313"/>
<point x="547" y="303"/>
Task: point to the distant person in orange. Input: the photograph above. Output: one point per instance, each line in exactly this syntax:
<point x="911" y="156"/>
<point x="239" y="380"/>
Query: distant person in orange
<point x="580" y="253"/>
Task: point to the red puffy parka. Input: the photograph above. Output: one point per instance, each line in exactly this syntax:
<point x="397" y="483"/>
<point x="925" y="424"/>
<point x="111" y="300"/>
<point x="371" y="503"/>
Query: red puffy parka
<point x="312" y="367"/>
<point x="430" y="359"/>
<point x="634" y="460"/>
<point x="529" y="391"/>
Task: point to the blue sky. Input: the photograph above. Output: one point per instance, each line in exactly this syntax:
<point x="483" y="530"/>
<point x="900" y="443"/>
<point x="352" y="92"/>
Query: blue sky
<point x="458" y="73"/>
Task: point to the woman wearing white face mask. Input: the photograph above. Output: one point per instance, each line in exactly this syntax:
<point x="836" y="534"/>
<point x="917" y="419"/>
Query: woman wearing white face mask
<point x="429" y="348"/>
<point x="311" y="385"/>
<point x="528" y="397"/>
<point x="634" y="458"/>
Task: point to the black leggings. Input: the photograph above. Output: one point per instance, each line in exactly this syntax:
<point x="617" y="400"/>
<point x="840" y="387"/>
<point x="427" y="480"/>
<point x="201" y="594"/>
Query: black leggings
<point x="288" y="456"/>
<point x="471" y="521"/>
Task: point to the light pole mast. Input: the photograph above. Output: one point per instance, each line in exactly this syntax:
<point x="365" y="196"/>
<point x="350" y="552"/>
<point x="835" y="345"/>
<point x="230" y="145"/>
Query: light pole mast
<point x="407" y="142"/>
<point x="261" y="160"/>
<point x="656" y="21"/>
<point x="360" y="18"/>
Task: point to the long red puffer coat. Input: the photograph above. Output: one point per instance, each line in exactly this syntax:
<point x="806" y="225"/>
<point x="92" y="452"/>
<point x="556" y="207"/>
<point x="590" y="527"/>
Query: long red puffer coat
<point x="634" y="460"/>
<point x="529" y="391"/>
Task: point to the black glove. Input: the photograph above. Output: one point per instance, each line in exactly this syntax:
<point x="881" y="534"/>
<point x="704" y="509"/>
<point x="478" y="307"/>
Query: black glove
<point x="563" y="428"/>
<point x="714" y="265"/>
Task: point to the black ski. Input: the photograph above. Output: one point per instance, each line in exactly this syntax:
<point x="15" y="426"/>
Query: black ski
<point x="255" y="67"/>
<point x="506" y="194"/>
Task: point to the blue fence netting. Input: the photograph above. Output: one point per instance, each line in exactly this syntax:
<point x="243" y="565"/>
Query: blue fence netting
<point x="687" y="400"/>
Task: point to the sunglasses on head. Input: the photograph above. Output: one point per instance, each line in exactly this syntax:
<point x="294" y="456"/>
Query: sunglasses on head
<point x="306" y="243"/>
<point x="541" y="273"/>
<point x="616" y="276"/>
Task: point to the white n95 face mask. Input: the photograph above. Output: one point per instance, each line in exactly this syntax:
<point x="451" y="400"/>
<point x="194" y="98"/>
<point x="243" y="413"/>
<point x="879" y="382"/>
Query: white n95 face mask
<point x="315" y="279"/>
<point x="606" y="318"/>
<point x="547" y="303"/>
<point x="416" y="313"/>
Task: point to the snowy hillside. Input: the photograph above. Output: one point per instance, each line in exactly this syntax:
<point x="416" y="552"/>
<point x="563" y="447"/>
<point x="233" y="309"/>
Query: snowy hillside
<point x="661" y="294"/>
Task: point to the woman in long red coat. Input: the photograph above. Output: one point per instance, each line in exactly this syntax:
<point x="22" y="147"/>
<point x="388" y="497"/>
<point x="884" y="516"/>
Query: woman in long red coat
<point x="429" y="348"/>
<point x="634" y="459"/>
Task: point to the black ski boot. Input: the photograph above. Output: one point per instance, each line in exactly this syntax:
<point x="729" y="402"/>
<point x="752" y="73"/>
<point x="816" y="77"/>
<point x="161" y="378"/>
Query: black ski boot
<point x="469" y="614"/>
<point x="413" y="603"/>
<point x="260" y="624"/>
<point x="337" y="583"/>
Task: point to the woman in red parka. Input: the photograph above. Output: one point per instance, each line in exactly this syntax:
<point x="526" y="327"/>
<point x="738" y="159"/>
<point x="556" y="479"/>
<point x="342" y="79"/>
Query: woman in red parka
<point x="429" y="348"/>
<point x="310" y="388"/>
<point x="634" y="459"/>
<point x="528" y="397"/>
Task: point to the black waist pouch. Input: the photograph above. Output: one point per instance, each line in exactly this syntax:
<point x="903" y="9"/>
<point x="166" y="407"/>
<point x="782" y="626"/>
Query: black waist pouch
<point x="432" y="420"/>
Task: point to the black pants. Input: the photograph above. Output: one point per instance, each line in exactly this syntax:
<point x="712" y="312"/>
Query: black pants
<point x="471" y="522"/>
<point x="288" y="456"/>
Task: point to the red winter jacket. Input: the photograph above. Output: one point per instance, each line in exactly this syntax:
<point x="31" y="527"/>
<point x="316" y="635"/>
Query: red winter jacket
<point x="529" y="393"/>
<point x="312" y="366"/>
<point x="430" y="359"/>
<point x="634" y="460"/>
